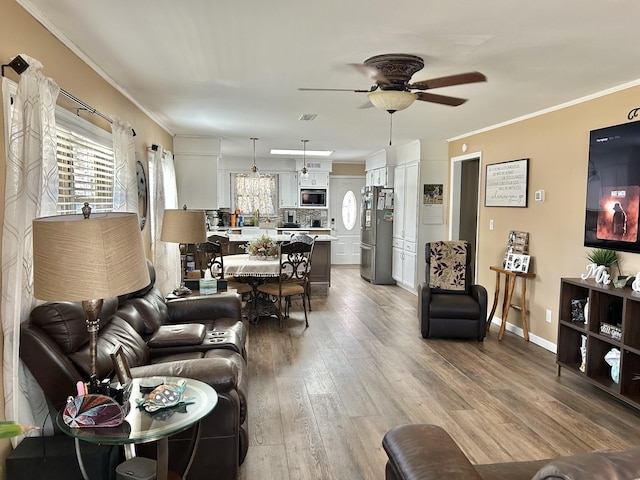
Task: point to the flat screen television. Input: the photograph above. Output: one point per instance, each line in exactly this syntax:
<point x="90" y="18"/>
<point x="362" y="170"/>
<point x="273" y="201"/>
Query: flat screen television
<point x="613" y="188"/>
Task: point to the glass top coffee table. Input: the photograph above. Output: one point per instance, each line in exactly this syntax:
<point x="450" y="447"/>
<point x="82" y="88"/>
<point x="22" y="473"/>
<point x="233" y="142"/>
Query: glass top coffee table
<point x="142" y="427"/>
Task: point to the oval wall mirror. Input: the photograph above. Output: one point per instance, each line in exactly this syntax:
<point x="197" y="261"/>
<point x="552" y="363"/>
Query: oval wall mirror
<point x="142" y="194"/>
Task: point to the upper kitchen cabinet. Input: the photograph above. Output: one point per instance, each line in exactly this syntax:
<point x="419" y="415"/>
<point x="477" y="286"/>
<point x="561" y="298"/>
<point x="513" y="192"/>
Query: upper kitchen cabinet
<point x="196" y="164"/>
<point x="315" y="179"/>
<point x="288" y="189"/>
<point x="224" y="189"/>
<point x="380" y="177"/>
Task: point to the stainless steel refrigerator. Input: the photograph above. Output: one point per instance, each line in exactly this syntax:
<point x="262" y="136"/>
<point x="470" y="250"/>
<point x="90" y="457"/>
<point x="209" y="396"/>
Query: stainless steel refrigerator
<point x="377" y="235"/>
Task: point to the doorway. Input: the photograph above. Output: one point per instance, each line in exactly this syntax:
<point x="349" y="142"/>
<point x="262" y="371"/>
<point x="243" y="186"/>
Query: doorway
<point x="344" y="215"/>
<point x="465" y="202"/>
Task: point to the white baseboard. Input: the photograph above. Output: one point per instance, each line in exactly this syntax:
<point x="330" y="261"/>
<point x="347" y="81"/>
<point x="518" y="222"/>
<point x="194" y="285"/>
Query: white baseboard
<point x="546" y="344"/>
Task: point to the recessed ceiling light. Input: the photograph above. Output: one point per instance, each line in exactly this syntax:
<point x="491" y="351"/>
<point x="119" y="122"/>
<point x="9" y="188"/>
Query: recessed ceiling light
<point x="312" y="153"/>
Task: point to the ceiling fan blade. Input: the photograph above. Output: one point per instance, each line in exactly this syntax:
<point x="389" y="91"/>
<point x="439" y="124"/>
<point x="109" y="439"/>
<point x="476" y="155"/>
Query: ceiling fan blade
<point x="333" y="90"/>
<point x="459" y="79"/>
<point x="368" y="104"/>
<point x="442" y="99"/>
<point x="372" y="73"/>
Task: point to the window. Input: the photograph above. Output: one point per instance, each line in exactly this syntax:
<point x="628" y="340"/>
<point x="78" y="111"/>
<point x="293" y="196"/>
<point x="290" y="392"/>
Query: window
<point x="85" y="160"/>
<point x="349" y="210"/>
<point x="85" y="165"/>
<point x="251" y="193"/>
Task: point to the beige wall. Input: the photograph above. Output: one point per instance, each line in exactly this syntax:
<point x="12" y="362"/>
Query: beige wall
<point x="557" y="145"/>
<point x="348" y="169"/>
<point x="20" y="33"/>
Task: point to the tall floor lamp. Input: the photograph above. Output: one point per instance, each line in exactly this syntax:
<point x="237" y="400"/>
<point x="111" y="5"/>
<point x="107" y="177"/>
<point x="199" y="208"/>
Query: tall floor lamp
<point x="88" y="258"/>
<point x="184" y="227"/>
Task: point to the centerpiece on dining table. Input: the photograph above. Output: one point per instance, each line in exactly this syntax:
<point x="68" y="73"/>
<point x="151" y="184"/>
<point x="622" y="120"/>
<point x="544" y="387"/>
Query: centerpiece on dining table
<point x="263" y="248"/>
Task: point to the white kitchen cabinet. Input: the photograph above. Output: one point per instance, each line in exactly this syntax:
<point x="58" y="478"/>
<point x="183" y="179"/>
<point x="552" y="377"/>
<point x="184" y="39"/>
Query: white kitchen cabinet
<point x="412" y="183"/>
<point x="379" y="177"/>
<point x="316" y="179"/>
<point x="288" y="189"/>
<point x="224" y="189"/>
<point x="405" y="224"/>
<point x="368" y="179"/>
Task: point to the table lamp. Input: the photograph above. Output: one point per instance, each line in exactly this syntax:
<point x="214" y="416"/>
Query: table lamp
<point x="183" y="226"/>
<point x="88" y="258"/>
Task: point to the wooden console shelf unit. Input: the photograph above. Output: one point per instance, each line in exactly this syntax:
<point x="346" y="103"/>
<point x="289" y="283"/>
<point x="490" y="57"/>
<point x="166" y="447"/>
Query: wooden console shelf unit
<point x="607" y="304"/>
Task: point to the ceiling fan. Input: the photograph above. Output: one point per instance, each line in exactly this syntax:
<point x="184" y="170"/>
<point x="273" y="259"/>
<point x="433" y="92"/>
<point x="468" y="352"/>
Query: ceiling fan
<point x="393" y="91"/>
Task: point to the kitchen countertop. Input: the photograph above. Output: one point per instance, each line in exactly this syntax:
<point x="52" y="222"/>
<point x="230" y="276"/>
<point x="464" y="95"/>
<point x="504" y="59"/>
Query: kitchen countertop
<point x="250" y="233"/>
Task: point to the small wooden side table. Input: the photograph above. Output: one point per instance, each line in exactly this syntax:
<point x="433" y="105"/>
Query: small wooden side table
<point x="510" y="279"/>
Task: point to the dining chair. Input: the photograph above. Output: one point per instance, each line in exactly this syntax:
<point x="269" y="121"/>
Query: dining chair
<point x="294" y="269"/>
<point x="212" y="252"/>
<point x="303" y="237"/>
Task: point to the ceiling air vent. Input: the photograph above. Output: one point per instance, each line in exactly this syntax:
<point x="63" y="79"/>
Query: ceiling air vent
<point x="307" y="117"/>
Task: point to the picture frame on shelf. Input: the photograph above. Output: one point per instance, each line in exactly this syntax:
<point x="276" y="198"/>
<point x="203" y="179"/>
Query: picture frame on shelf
<point x="121" y="367"/>
<point x="518" y="263"/>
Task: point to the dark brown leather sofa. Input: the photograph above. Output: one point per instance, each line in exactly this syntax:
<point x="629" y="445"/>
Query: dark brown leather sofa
<point x="427" y="452"/>
<point x="55" y="348"/>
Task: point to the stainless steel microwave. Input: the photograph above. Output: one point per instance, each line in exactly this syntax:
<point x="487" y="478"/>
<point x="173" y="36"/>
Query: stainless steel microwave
<point x="313" y="198"/>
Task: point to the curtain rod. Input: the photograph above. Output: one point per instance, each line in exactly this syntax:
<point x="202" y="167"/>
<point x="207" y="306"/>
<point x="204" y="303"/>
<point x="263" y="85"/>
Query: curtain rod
<point x="19" y="65"/>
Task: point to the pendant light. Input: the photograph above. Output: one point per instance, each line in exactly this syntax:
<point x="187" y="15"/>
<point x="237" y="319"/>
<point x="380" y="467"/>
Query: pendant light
<point x="304" y="173"/>
<point x="254" y="167"/>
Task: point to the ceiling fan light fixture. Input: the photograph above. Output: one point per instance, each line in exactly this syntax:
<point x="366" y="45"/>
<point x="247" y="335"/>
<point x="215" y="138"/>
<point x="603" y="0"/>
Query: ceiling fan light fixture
<point x="391" y="100"/>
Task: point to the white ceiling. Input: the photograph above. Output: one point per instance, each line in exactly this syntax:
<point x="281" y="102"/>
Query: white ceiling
<point x="232" y="68"/>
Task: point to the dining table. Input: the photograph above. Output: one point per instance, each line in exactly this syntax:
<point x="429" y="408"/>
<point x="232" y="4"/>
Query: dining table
<point x="254" y="271"/>
<point x="245" y="265"/>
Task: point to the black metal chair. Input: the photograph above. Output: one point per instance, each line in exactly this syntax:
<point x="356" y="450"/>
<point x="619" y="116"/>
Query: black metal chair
<point x="214" y="261"/>
<point x="305" y="238"/>
<point x="294" y="270"/>
<point x="449" y="305"/>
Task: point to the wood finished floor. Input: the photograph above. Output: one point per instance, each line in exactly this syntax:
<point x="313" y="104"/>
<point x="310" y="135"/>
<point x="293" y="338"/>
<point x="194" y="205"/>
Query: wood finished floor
<point x="321" y="399"/>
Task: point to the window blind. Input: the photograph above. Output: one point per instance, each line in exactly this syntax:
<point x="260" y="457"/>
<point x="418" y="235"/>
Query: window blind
<point x="85" y="165"/>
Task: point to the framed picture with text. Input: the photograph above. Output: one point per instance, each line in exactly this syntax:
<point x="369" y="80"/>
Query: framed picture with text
<point x="507" y="184"/>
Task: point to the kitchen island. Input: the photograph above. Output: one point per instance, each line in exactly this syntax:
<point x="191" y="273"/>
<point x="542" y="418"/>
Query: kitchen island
<point x="320" y="276"/>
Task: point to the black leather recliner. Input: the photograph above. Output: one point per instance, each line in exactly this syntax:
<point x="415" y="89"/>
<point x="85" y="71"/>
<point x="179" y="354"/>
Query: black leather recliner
<point x="449" y="306"/>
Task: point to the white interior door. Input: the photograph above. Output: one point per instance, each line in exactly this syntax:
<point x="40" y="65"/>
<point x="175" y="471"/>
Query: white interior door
<point x="345" y="205"/>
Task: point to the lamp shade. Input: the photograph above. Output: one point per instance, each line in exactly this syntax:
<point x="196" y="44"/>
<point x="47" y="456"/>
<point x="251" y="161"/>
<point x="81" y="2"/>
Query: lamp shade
<point x="79" y="259"/>
<point x="184" y="226"/>
<point x="391" y="100"/>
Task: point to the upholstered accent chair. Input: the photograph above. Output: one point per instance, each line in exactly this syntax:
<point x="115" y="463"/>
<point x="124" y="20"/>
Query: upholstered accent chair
<point x="449" y="305"/>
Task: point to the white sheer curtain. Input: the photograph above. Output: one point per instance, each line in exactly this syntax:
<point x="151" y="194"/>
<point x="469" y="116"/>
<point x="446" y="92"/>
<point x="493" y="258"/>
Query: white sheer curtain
<point x="163" y="194"/>
<point x="125" y="190"/>
<point x="31" y="191"/>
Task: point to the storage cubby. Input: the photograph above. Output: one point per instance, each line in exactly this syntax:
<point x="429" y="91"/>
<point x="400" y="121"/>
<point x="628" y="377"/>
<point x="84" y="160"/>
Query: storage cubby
<point x="612" y="323"/>
<point x="631" y="331"/>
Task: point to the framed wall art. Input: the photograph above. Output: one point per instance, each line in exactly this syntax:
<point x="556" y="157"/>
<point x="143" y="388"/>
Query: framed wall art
<point x="507" y="184"/>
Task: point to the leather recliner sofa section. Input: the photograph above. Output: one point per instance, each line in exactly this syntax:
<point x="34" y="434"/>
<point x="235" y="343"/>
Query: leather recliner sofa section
<point x="55" y="348"/>
<point x="426" y="452"/>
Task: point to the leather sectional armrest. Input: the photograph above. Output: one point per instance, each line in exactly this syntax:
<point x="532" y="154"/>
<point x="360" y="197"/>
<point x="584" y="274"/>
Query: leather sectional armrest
<point x="425" y="452"/>
<point x="220" y="373"/>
